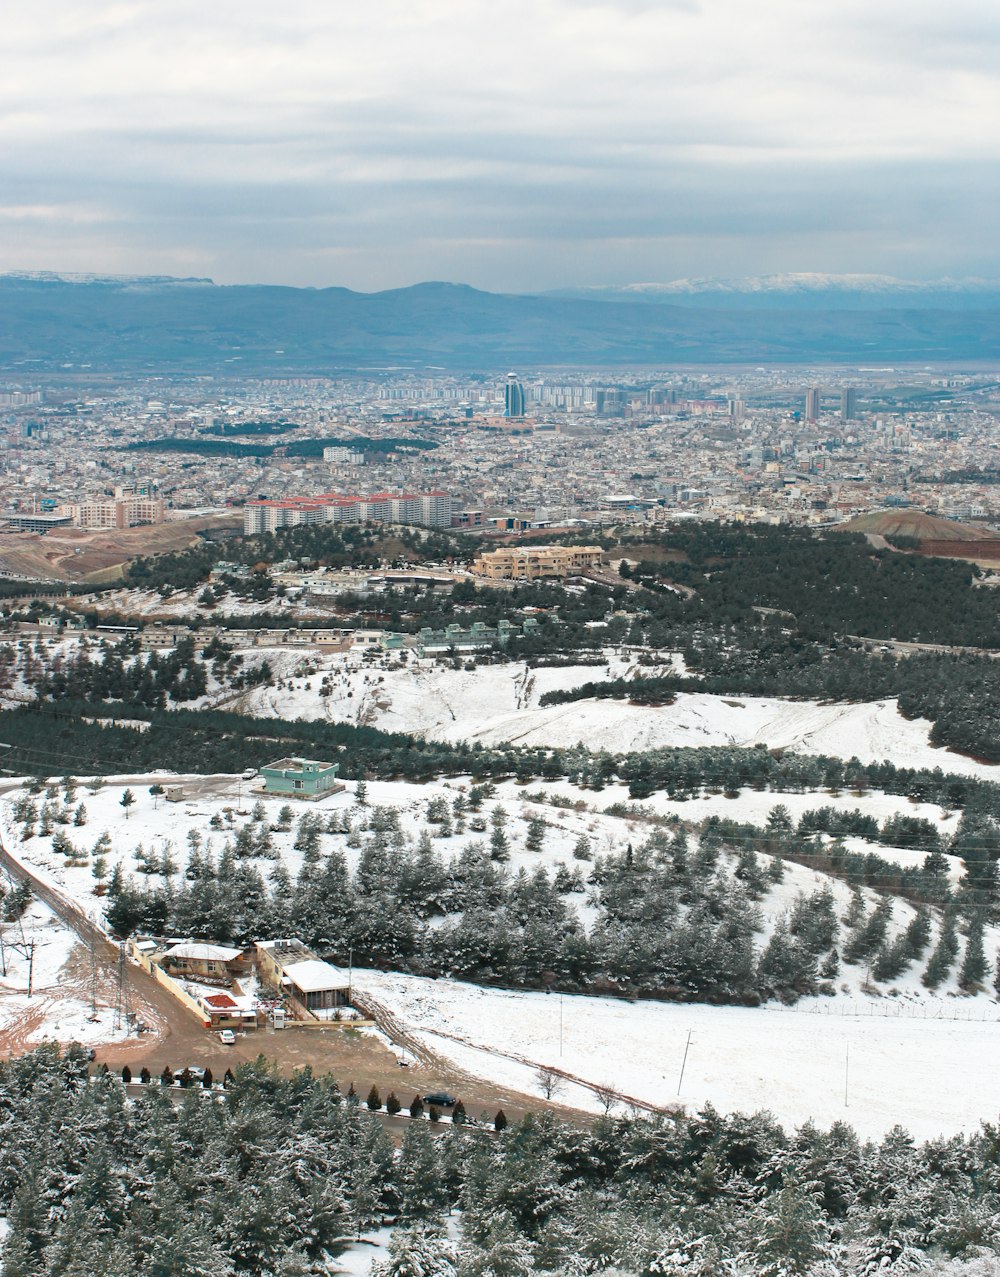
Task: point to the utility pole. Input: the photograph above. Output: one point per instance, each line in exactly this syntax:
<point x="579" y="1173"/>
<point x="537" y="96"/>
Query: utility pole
<point x="31" y="964"/>
<point x="350" y="976"/>
<point x="687" y="1047"/>
<point x="560" y="1024"/>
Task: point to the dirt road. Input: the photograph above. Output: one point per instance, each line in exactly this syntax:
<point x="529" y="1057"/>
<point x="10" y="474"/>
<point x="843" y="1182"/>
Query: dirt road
<point x="176" y="1038"/>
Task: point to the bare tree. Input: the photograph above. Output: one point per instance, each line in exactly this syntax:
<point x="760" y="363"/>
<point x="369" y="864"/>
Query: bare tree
<point x="607" y="1097"/>
<point x="548" y="1082"/>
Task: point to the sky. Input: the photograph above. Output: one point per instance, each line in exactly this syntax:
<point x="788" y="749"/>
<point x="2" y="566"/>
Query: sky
<point x="518" y="145"/>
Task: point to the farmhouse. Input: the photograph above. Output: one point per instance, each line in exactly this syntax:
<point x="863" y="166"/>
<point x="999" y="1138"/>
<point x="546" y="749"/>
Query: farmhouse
<point x="314" y="986"/>
<point x="198" y="959"/>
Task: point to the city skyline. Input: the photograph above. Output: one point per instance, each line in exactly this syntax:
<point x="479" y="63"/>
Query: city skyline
<point x="568" y="144"/>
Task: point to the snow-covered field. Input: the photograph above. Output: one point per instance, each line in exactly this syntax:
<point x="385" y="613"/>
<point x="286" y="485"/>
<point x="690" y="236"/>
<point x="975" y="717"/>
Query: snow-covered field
<point x="153" y="827"/>
<point x="58" y="1008"/>
<point x="873" y="1063"/>
<point x="500" y="703"/>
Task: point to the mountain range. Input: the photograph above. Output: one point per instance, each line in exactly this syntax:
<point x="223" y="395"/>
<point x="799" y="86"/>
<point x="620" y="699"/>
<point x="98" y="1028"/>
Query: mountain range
<point x="52" y="322"/>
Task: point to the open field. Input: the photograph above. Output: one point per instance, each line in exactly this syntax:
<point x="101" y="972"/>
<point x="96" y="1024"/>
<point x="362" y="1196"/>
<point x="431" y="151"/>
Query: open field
<point x="498" y="703"/>
<point x="78" y="556"/>
<point x="871" y="1062"/>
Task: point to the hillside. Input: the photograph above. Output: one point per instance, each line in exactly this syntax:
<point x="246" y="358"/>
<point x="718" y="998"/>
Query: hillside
<point x="133" y="325"/>
<point x="75" y="555"/>
<point x="411" y="880"/>
<point x="916" y="525"/>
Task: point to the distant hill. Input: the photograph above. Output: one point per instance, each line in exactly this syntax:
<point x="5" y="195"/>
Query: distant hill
<point x="916" y="525"/>
<point x="122" y="325"/>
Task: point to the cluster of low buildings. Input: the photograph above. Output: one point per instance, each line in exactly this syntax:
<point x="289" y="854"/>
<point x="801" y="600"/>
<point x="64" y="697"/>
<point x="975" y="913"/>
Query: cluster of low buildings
<point x="276" y="982"/>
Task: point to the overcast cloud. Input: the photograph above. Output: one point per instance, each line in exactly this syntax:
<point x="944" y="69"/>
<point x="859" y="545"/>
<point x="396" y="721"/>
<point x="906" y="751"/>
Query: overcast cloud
<point x="513" y="145"/>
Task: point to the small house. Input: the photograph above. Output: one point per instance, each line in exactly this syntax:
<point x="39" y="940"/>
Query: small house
<point x="197" y="958"/>
<point x="301" y="778"/>
<point x="225" y="1010"/>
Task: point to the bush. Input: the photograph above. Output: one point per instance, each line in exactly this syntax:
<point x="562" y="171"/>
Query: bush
<point x="374" y="1100"/>
<point x="392" y="1104"/>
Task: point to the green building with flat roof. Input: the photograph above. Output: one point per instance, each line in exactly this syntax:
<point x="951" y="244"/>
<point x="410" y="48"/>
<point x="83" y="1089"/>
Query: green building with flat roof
<point x="301" y="778"/>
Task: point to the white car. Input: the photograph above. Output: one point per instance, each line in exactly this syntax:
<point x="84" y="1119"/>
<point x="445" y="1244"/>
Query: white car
<point x="227" y="1037"/>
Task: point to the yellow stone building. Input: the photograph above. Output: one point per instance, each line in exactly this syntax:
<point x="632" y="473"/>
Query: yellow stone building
<point x="536" y="562"/>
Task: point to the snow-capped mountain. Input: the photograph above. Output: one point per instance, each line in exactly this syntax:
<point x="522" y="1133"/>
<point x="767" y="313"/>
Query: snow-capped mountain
<point x="798" y="289"/>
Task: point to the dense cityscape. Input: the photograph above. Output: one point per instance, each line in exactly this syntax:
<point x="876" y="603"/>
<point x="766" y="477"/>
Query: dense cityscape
<point x="740" y="445"/>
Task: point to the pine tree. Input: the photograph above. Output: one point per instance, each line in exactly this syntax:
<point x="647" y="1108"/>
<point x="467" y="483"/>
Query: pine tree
<point x="582" y="849"/>
<point x="918" y="933"/>
<point x="419" y="1179"/>
<point x="974" y="965"/>
<point x="793" y="1233"/>
<point x="943" y="957"/>
<point x="499" y="845"/>
<point x="535" y="839"/>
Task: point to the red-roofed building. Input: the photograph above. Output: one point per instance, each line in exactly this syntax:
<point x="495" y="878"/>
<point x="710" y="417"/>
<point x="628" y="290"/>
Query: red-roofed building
<point x="424" y="509"/>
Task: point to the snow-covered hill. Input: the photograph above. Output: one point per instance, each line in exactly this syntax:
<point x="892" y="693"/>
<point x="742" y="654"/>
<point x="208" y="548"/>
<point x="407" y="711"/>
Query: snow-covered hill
<point x="494" y="704"/>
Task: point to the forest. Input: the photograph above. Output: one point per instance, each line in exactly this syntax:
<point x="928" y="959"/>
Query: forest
<point x="277" y="1176"/>
<point x="753" y="610"/>
<point x="677" y="916"/>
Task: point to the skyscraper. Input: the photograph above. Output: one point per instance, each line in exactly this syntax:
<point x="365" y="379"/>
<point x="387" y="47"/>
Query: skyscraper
<point x="848" y="403"/>
<point x="812" y="403"/>
<point x="513" y="397"/>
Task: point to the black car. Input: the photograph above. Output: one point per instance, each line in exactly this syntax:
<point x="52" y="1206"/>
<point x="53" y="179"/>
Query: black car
<point x="440" y="1099"/>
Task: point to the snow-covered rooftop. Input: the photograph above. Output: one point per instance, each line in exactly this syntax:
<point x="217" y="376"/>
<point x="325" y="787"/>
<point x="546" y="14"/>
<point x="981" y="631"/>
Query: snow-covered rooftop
<point x="203" y="952"/>
<point x="312" y="975"/>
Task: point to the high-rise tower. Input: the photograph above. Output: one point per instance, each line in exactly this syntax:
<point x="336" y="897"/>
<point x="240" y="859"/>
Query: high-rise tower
<point x="812" y="403"/>
<point x="513" y="398"/>
<point x="848" y="403"/>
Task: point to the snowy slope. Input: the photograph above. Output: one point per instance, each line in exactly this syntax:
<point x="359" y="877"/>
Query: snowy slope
<point x="893" y="1061"/>
<point x="495" y="704"/>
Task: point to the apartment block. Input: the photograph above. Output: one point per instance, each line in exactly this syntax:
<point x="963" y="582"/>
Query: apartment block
<point x="427" y="510"/>
<point x="117" y="512"/>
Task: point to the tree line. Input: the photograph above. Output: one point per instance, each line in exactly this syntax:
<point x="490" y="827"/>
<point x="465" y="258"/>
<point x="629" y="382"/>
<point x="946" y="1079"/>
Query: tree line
<point x="279" y="1175"/>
